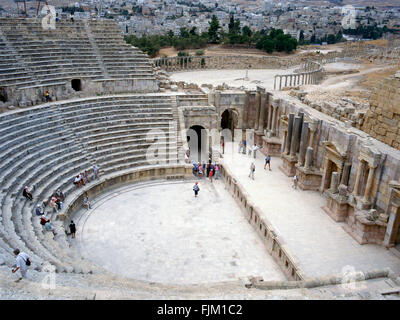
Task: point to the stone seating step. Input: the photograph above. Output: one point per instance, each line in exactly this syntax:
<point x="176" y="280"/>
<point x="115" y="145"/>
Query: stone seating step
<point x="104" y="137"/>
<point x="31" y="132"/>
<point x="16" y="161"/>
<point x="104" y="127"/>
<point x="28" y="236"/>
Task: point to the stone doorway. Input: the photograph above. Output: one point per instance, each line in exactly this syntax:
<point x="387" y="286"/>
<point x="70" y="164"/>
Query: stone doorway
<point x="3" y="95"/>
<point x="229" y="120"/>
<point x="197" y="141"/>
<point x="76" y="84"/>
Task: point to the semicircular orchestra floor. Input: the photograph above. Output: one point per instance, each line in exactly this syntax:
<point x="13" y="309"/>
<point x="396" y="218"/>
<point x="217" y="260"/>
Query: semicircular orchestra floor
<point x="159" y="232"/>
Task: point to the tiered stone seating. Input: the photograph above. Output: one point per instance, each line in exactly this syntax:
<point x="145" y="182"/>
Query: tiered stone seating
<point x="120" y="59"/>
<point x="33" y="56"/>
<point x="46" y="147"/>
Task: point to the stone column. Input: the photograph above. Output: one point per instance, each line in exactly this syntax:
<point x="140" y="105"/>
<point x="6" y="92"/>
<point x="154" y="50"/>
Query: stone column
<point x="334" y="182"/>
<point x="309" y="158"/>
<point x="258" y="108"/>
<point x="345" y="174"/>
<point x="303" y="143"/>
<point x="289" y="133"/>
<point x="245" y="110"/>
<point x="296" y="130"/>
<point x="358" y="177"/>
<point x="280" y="83"/>
<point x="368" y="187"/>
<point x="274" y="119"/>
<point x="312" y="128"/>
<point x="263" y="108"/>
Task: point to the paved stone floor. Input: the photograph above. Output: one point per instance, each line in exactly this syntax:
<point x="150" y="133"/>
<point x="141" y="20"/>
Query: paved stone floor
<point x="319" y="243"/>
<point x="233" y="78"/>
<point x="160" y="232"/>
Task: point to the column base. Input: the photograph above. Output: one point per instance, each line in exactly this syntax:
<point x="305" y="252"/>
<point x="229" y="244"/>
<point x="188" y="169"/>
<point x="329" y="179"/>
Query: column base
<point x="361" y="204"/>
<point x="363" y="230"/>
<point x="288" y="165"/>
<point x="309" y="179"/>
<point x="336" y="206"/>
<point x="271" y="146"/>
<point x="258" y="137"/>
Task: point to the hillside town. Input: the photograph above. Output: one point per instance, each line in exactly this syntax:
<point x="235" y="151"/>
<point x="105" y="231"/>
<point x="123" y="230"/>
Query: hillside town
<point x="297" y="18"/>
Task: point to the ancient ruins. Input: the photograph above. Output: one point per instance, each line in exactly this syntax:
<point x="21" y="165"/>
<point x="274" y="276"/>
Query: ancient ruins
<point x="114" y="107"/>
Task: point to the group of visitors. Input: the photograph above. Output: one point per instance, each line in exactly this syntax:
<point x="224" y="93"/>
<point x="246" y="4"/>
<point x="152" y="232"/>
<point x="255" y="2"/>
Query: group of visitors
<point x="208" y="170"/>
<point x="253" y="149"/>
<point x="83" y="178"/>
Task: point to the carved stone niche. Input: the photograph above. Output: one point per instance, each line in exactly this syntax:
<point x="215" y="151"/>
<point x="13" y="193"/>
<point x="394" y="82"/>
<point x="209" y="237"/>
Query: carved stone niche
<point x="334" y="161"/>
<point x="392" y="234"/>
<point x="369" y="158"/>
<point x="309" y="176"/>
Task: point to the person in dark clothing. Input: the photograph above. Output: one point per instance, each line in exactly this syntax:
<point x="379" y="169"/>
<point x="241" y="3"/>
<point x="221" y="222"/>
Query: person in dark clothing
<point x="72" y="229"/>
<point x="27" y="194"/>
<point x="39" y="211"/>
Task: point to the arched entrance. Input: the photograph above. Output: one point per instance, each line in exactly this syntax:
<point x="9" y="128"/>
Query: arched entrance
<point x="76" y="84"/>
<point x="197" y="141"/>
<point x="229" y="120"/>
<point x="3" y="95"/>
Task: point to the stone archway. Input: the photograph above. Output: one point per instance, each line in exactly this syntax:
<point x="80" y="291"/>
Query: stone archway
<point x="229" y="119"/>
<point x="197" y="141"/>
<point x="3" y="95"/>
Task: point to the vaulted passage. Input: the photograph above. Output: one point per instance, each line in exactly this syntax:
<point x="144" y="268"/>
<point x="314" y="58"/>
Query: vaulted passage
<point x="76" y="84"/>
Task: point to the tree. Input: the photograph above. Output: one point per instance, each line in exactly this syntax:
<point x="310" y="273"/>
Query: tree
<point x="331" y="39"/>
<point x="193" y="31"/>
<point x="301" y="37"/>
<point x="313" y="38"/>
<point x="213" y="29"/>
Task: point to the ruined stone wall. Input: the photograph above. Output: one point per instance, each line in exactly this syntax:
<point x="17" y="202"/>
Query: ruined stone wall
<point x="382" y="120"/>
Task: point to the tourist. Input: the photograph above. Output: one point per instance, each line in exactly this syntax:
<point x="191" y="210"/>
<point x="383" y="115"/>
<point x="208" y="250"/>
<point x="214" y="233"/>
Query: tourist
<point x="211" y="174"/>
<point x="43" y="220"/>
<point x="267" y="162"/>
<point x="49" y="227"/>
<point x="216" y="169"/>
<point x="39" y="211"/>
<point x="27" y="194"/>
<point x="195" y="168"/>
<point x="240" y="146"/>
<point x="86" y="202"/>
<point x="60" y="195"/>
<point x="77" y="181"/>
<point x="72" y="229"/>
<point x="47" y="96"/>
<point x="82" y="178"/>
<point x="53" y="204"/>
<point x="22" y="263"/>
<point x="86" y="176"/>
<point x="244" y="146"/>
<point x="95" y="171"/>
<point x="252" y="169"/>
<point x="208" y="168"/>
<point x="255" y="148"/>
<point x="201" y="170"/>
<point x="223" y="145"/>
<point x="196" y="189"/>
<point x="295" y="180"/>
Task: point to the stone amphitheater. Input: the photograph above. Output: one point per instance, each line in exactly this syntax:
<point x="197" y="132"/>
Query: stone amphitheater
<point x="146" y="236"/>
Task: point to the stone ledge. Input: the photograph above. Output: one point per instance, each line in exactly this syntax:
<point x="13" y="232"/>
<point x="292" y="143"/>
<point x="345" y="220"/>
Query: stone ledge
<point x="115" y="180"/>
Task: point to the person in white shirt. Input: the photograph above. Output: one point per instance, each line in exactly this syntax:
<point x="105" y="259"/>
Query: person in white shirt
<point x="95" y="171"/>
<point x="21" y="263"/>
<point x="255" y="148"/>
